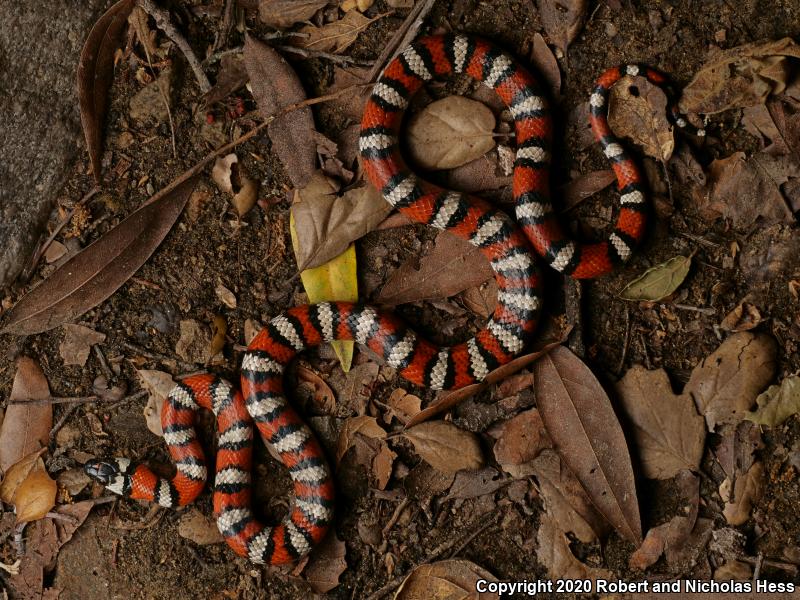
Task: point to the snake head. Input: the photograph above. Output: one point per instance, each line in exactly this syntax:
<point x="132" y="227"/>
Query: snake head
<point x="112" y="473"/>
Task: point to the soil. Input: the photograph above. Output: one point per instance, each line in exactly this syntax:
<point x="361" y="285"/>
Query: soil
<point x="117" y="553"/>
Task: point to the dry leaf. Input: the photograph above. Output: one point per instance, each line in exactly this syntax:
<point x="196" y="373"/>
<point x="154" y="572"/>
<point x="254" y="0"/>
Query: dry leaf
<point x="336" y="36"/>
<point x="671" y="536"/>
<point x="95" y="74"/>
<point x="26" y="426"/>
<point x="519" y="441"/>
<point x="472" y="484"/>
<point x="227" y="297"/>
<point x="740" y="496"/>
<point x="446" y="580"/>
<point x="637" y="110"/>
<point x="324" y="398"/>
<point x="553" y="551"/>
<point x="285" y="13"/>
<point x="325" y="565"/>
<point x="584" y="186"/>
<point x="14" y="475"/>
<point x="739" y="77"/>
<point x="658" y="282"/>
<point x="55" y="251"/>
<point x="562" y="20"/>
<point x="158" y="385"/>
<point x="744" y="317"/>
<point x="231" y="179"/>
<point x="199" y="528"/>
<point x="725" y="384"/>
<point x="232" y="76"/>
<point x="566" y="501"/>
<point x="36" y="495"/>
<point x="546" y="65"/>
<point x="446" y="447"/>
<point x="327" y="224"/>
<point x="481" y="299"/>
<point x="402" y="406"/>
<point x="778" y="403"/>
<point x="583" y="426"/>
<point x="275" y="86"/>
<point x="735" y="452"/>
<point x="733" y="570"/>
<point x="364" y="425"/>
<point x="96" y="272"/>
<point x="78" y="342"/>
<point x="742" y="189"/>
<point x="450" y="132"/>
<point x="670" y="435"/>
<point x="453" y="265"/>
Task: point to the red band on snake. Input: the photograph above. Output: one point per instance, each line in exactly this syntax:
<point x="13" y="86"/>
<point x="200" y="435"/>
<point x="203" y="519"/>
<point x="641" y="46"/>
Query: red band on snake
<point x="506" y="246"/>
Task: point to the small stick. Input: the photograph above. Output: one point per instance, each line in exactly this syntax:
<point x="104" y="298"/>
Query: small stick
<point x="627" y="341"/>
<point x="62" y="421"/>
<point x="164" y="23"/>
<point x="699" y="309"/>
<point x="103" y="362"/>
<point x="337" y="58"/>
<point x="757" y="567"/>
<point x="126" y="399"/>
<point x="56" y="400"/>
<point x="155" y="355"/>
<point x="225" y="28"/>
<point x="402" y="37"/>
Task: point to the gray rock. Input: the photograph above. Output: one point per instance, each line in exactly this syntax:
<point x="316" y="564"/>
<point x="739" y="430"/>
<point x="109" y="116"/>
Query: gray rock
<point x="40" y="44"/>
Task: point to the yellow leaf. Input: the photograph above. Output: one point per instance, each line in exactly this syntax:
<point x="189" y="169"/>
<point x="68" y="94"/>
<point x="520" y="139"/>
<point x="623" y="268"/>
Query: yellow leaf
<point x="335" y="280"/>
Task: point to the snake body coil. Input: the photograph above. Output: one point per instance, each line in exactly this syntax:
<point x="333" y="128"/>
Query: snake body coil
<point x="506" y="245"/>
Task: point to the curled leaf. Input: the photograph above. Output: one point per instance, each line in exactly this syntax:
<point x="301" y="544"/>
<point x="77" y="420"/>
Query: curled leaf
<point x="562" y="20"/>
<point x="740" y="496"/>
<point x="658" y="282"/>
<point x="637" y="110"/>
<point x="336" y="36"/>
<point x="364" y="425"/>
<point x="445" y="579"/>
<point x="232" y="179"/>
<point x="778" y="403"/>
<point x="35" y="495"/>
<point x="158" y="385"/>
<point x="285" y="13"/>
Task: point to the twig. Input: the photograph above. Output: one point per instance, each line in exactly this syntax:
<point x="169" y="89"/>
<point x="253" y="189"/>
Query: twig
<point x="627" y="340"/>
<point x="699" y="309"/>
<point x="164" y="23"/>
<point x="402" y="37"/>
<point x="699" y="240"/>
<point x="225" y="28"/>
<point x="156" y="355"/>
<point x="56" y="400"/>
<point x="60" y="423"/>
<point x="126" y="399"/>
<point x="472" y="536"/>
<point x="103" y="362"/>
<point x="165" y="98"/>
<point x="337" y="58"/>
<point x="40" y="252"/>
<point x="757" y="567"/>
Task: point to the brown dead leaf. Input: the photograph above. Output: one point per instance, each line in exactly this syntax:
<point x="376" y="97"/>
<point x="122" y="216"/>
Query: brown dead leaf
<point x="743" y="189"/>
<point x="479" y="175"/>
<point x="481" y="299"/>
<point x="452" y="265"/>
<point x="565" y="500"/>
<point x="327" y="224"/>
<point x="275" y="86"/>
<point x="96" y="272"/>
<point x="364" y="425"/>
<point x="740" y="77"/>
<point x="35" y="493"/>
<point x="26" y="426"/>
<point x="16" y="474"/>
<point x="671" y="536"/>
<point x="472" y="484"/>
<point x="227" y="297"/>
<point x="669" y="434"/>
<point x="450" y="132"/>
<point x="585" y="186"/>
<point x="354" y="396"/>
<point x="54" y="252"/>
<point x="759" y="122"/>
<point x="778" y="403"/>
<point x="446" y="579"/>
<point x="583" y="426"/>
<point x="725" y="384"/>
<point x="95" y="74"/>
<point x="158" y="385"/>
<point x="546" y="65"/>
<point x="232" y="179"/>
<point x="324" y="398"/>
<point x="325" y="565"/>
<point x="562" y="20"/>
<point x="735" y="452"/>
<point x="402" y="406"/>
<point x="519" y="441"/>
<point x="199" y="528"/>
<point x="740" y="496"/>
<point x="232" y="76"/>
<point x="638" y="111"/>
<point x="77" y="343"/>
<point x="336" y="36"/>
<point x="446" y="447"/>
<point x="285" y="13"/>
<point x="744" y="317"/>
<point x="553" y="551"/>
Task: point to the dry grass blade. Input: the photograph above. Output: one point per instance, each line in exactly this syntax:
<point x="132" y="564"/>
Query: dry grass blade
<point x="95" y="73"/>
<point x="99" y="270"/>
<point x="580" y="419"/>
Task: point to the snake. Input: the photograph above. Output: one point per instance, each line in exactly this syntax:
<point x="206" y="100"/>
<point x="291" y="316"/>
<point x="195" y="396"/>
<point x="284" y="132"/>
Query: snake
<point x="507" y="244"/>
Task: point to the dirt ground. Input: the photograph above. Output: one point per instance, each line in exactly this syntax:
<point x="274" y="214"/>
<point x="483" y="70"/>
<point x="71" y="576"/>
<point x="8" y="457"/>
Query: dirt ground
<point x="124" y="551"/>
